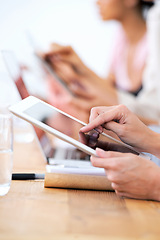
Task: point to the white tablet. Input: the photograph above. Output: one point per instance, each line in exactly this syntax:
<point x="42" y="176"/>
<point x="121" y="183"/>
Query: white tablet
<point x="43" y="63"/>
<point x="47" y="118"/>
<point x="46" y="66"/>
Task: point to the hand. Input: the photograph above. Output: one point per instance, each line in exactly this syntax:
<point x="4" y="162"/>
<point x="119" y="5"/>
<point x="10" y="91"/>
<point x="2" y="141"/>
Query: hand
<point x="130" y="175"/>
<point x="57" y="94"/>
<point x="73" y="71"/>
<point x="90" y="86"/>
<point x="125" y="124"/>
<point x="83" y="82"/>
<point x="65" y="54"/>
<point x="60" y="98"/>
<point x="93" y="139"/>
<point x="87" y="92"/>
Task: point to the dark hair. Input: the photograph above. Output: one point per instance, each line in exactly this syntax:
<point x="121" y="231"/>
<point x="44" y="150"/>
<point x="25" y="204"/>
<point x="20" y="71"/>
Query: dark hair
<point x="145" y="6"/>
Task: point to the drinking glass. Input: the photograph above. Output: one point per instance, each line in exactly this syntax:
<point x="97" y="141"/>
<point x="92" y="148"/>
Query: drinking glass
<point x="6" y="150"/>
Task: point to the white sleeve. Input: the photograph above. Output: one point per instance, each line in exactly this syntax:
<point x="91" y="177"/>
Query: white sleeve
<point x="147" y="103"/>
<point x="152" y="157"/>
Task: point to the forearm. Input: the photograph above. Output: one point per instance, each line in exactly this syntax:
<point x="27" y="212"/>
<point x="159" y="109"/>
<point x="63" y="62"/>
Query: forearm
<point x="148" y="121"/>
<point x="152" y="143"/>
<point x="155" y="191"/>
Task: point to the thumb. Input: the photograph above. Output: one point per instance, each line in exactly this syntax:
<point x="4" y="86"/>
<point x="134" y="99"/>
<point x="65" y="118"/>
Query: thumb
<point x="101" y="153"/>
<point x="109" y="154"/>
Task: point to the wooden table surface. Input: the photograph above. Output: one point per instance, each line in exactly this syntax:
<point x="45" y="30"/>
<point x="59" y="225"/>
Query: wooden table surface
<point x="30" y="211"/>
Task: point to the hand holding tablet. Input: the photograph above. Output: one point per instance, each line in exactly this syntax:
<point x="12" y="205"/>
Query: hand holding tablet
<point x="37" y="112"/>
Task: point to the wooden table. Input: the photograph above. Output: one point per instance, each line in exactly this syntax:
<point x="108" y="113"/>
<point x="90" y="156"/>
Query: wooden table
<point x="30" y="211"/>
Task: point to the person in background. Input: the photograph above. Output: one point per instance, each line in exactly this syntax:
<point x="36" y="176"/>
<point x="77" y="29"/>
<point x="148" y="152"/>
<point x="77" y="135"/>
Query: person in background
<point x="130" y="175"/>
<point x="125" y="83"/>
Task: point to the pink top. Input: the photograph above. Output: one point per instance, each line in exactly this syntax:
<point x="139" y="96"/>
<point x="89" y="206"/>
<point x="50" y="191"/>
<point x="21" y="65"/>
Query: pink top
<point x="119" y="60"/>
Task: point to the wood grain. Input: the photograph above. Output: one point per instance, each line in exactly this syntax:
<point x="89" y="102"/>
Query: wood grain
<point x="30" y="211"/>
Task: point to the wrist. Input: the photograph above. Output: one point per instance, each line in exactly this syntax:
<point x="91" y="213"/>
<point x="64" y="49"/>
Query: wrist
<point x="154" y="144"/>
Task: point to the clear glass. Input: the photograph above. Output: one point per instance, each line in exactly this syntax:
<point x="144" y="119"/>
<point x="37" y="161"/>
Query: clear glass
<point x="6" y="150"/>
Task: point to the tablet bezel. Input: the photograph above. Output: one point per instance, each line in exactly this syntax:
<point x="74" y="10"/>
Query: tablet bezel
<point x="19" y="108"/>
<point x="51" y="71"/>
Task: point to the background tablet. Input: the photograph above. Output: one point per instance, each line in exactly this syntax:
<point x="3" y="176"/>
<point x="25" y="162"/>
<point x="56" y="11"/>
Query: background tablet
<point x="43" y="63"/>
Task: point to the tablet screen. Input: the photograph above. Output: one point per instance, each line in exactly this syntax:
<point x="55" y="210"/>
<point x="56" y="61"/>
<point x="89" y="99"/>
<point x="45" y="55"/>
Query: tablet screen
<point x="66" y="125"/>
<point x="55" y="119"/>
